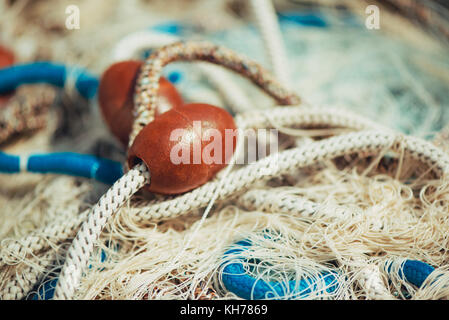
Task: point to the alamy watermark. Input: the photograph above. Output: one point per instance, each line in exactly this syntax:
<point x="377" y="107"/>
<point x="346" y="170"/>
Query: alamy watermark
<point x="72" y="21"/>
<point x="372" y="21"/>
<point x="214" y="148"/>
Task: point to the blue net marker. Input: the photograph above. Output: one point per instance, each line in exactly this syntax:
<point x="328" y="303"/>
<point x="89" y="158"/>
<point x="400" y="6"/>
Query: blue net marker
<point x="68" y="163"/>
<point x="413" y="271"/>
<point x="303" y="19"/>
<point x="237" y="280"/>
<point x="174" y="28"/>
<point x="49" y="73"/>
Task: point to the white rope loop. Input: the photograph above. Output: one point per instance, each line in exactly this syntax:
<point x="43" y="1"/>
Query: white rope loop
<point x="147" y="84"/>
<point x="132" y="46"/>
<point x="287" y="116"/>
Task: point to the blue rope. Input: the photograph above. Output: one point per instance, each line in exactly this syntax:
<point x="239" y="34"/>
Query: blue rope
<point x="46" y="291"/>
<point x="414" y="271"/>
<point x="237" y="280"/>
<point x="245" y="286"/>
<point x="303" y="19"/>
<point x="74" y="164"/>
<point x="170" y="27"/>
<point x="9" y="163"/>
<point x="47" y="72"/>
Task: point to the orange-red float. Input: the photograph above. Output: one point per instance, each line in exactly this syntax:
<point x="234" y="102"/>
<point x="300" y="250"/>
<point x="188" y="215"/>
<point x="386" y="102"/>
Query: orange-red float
<point x="179" y="150"/>
<point x="115" y="94"/>
<point x="6" y="59"/>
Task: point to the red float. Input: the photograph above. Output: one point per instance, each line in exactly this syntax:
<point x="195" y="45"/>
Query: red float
<point x="115" y="94"/>
<point x="180" y="150"/>
<point x="6" y="59"/>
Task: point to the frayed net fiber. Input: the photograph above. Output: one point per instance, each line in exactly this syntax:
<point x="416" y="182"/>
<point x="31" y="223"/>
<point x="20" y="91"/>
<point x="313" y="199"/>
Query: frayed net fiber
<point x="359" y="214"/>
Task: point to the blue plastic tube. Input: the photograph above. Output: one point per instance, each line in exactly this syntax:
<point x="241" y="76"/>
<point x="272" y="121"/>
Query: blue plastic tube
<point x="237" y="280"/>
<point x="68" y="163"/>
<point x="50" y="73"/>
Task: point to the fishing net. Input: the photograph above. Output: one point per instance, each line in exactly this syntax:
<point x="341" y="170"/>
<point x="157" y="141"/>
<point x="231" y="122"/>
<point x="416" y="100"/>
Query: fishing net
<point x="358" y="192"/>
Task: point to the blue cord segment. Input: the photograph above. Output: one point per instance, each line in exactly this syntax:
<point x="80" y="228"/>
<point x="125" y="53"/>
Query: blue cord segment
<point x="49" y="73"/>
<point x="9" y="163"/>
<point x="169" y="27"/>
<point x="304" y="19"/>
<point x="175" y="77"/>
<point x="74" y="164"/>
<point x="413" y="271"/>
<point x="416" y="272"/>
<point x="238" y="281"/>
<point x="47" y="291"/>
<point x="80" y="165"/>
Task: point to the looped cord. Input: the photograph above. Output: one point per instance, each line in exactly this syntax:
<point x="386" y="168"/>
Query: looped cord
<point x="147" y="85"/>
<point x="132" y="46"/>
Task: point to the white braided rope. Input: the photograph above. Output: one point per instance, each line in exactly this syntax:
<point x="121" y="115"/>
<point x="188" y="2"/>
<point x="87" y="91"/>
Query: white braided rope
<point x="41" y="239"/>
<point x="286" y="116"/>
<point x="371" y="280"/>
<point x="269" y="28"/>
<point x="82" y="246"/>
<point x="288" y="161"/>
<point x="24" y="278"/>
<point x="237" y="181"/>
<point x="272" y="201"/>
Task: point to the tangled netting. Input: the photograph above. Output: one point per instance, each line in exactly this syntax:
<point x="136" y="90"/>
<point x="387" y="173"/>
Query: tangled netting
<point x="231" y="183"/>
<point x="344" y="196"/>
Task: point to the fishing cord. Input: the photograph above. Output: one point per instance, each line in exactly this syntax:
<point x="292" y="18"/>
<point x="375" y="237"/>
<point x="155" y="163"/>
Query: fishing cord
<point x="26" y="110"/>
<point x="134" y="44"/>
<point x="27" y="114"/>
<point x="68" y="163"/>
<point x="50" y="73"/>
